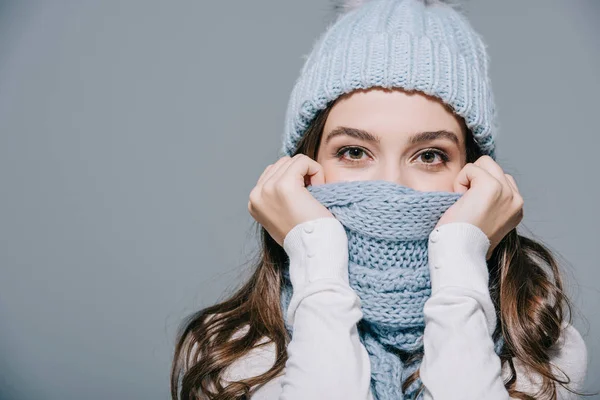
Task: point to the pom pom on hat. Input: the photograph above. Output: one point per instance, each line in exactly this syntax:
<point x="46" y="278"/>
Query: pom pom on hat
<point x="343" y="6"/>
<point x="347" y="5"/>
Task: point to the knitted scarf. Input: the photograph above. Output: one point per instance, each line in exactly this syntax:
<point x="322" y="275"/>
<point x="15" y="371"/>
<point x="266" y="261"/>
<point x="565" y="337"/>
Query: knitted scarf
<point x="388" y="228"/>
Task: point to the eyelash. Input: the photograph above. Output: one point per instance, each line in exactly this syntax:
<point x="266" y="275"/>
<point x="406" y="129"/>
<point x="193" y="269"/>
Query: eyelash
<point x="443" y="156"/>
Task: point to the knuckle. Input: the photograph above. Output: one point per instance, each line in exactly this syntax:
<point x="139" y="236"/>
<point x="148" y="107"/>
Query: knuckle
<point x="510" y="195"/>
<point x="497" y="188"/>
<point x="268" y="188"/>
<point x="254" y="196"/>
<point x="485" y="159"/>
<point x="495" y="193"/>
<point x="252" y="204"/>
<point x="511" y="179"/>
<point x="520" y="214"/>
<point x="519" y="200"/>
<point x="298" y="156"/>
<point x="282" y="188"/>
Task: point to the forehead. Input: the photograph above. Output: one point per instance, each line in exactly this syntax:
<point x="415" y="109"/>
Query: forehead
<point x="392" y="113"/>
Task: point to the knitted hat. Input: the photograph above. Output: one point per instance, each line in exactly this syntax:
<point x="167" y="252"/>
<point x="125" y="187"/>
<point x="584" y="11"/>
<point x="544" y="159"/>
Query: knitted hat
<point x="422" y="45"/>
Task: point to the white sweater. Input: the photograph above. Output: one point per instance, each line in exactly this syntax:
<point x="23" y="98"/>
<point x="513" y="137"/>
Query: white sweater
<point x="326" y="359"/>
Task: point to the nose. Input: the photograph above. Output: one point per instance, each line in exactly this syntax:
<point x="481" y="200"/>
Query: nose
<point x="389" y="172"/>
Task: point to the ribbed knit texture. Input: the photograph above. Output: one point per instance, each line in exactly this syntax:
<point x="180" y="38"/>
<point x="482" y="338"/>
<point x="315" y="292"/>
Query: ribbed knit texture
<point x="388" y="227"/>
<point x="403" y="44"/>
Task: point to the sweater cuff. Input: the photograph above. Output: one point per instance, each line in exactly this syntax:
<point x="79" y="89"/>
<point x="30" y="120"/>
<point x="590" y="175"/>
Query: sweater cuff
<point x="317" y="249"/>
<point x="457" y="257"/>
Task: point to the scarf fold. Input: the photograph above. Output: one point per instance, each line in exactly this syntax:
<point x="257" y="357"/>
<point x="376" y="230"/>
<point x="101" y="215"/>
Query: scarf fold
<point x="388" y="227"/>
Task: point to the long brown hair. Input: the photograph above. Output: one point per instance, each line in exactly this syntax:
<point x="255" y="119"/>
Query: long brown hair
<point x="525" y="285"/>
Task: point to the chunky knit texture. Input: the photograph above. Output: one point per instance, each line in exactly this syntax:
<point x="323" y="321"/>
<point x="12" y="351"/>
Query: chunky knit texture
<point x="427" y="46"/>
<point x="388" y="227"/>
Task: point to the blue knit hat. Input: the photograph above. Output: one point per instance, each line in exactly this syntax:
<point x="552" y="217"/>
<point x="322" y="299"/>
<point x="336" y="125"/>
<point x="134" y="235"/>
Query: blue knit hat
<point x="422" y="45"/>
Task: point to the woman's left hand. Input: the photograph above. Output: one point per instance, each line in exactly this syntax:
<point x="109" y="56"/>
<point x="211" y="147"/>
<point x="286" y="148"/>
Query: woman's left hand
<point x="491" y="200"/>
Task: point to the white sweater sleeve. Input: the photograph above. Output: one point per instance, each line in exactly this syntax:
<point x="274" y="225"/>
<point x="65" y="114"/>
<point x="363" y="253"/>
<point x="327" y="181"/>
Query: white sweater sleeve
<point x="326" y="359"/>
<point x="459" y="358"/>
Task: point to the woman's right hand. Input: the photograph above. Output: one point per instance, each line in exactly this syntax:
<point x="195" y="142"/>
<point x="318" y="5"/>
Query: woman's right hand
<point x="280" y="200"/>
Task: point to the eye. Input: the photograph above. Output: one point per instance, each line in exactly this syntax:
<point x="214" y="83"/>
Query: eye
<point x="354" y="154"/>
<point x="428" y="157"/>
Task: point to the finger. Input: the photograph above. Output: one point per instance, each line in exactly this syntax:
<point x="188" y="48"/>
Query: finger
<point x="276" y="174"/>
<point x="470" y="174"/>
<point x="262" y="176"/>
<point x="273" y="169"/>
<point x="306" y="170"/>
<point x="491" y="166"/>
<point x="513" y="183"/>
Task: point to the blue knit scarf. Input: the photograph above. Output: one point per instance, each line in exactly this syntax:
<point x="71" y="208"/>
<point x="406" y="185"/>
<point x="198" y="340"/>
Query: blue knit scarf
<point x="388" y="228"/>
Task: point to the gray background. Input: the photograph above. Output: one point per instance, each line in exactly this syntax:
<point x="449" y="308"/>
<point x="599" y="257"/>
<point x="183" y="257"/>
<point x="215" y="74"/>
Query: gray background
<point x="133" y="131"/>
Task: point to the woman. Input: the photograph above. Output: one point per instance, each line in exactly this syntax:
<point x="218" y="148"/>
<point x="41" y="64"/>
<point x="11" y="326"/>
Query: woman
<point x="395" y="95"/>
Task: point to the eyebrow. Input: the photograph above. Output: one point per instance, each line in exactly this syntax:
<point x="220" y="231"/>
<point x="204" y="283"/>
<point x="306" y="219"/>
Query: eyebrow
<point x="366" y="136"/>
